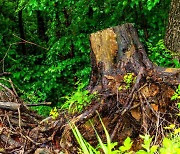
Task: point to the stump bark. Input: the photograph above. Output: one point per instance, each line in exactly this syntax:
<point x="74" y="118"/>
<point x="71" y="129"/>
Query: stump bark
<point x="117" y="50"/>
<point x="127" y="109"/>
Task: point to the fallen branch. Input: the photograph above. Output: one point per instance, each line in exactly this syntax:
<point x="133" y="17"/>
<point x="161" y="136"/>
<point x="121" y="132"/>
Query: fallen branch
<point x="10" y="105"/>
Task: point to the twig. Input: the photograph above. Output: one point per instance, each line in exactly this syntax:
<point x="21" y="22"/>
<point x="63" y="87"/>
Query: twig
<point x="149" y="105"/>
<point x="5" y="73"/>
<point x="157" y="128"/>
<point x="25" y="142"/>
<point x="115" y="129"/>
<point x="144" y="119"/>
<point x="9" y="121"/>
<point x="10" y="91"/>
<point x="17" y="150"/>
<point x="10" y="106"/>
<point x="2" y="60"/>
<point x="40" y="104"/>
<point x="25" y="41"/>
<point x="12" y="85"/>
<point x="27" y="137"/>
<point x="19" y="116"/>
<point x="128" y="101"/>
<point x="142" y="87"/>
<point x="135" y="106"/>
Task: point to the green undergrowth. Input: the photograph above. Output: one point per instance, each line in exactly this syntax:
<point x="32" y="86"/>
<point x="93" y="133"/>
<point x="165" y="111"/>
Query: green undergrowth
<point x="170" y="144"/>
<point x="77" y="100"/>
<point x="161" y="56"/>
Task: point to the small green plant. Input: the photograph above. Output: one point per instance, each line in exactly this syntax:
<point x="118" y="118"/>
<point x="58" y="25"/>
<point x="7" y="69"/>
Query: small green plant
<point x="148" y="149"/>
<point x="54" y="113"/>
<point x="127" y="144"/>
<point x="120" y="88"/>
<point x="176" y="96"/>
<point x="86" y="148"/>
<point x="129" y="79"/>
<point x="174" y="129"/>
<point x="77" y="100"/>
<point x="108" y="148"/>
<point x="170" y="146"/>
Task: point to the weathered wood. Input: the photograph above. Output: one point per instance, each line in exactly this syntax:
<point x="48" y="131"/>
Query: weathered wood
<point x="118" y="50"/>
<point x="10" y="105"/>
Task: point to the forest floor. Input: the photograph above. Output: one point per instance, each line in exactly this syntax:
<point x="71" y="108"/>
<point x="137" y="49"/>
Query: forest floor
<point x="24" y="131"/>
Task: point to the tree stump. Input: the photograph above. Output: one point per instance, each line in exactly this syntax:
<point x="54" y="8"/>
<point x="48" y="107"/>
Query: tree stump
<point x="134" y="95"/>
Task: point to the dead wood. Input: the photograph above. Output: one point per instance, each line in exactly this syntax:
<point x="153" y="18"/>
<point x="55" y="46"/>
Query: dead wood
<point x="9" y="105"/>
<point x="5" y="73"/>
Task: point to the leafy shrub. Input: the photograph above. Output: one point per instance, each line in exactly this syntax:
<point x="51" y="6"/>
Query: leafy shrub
<point x="160" y="55"/>
<point x="79" y="99"/>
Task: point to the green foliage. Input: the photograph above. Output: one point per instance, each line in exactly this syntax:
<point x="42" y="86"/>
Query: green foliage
<point x="86" y="148"/>
<point x="170" y="145"/>
<point x="160" y="55"/>
<point x="127" y="144"/>
<point x="176" y="96"/>
<point x="79" y="99"/>
<point x="148" y="149"/>
<point x="50" y="68"/>
<point x="42" y="110"/>
<point x="108" y="148"/>
<point x="129" y="79"/>
<point x="174" y="129"/>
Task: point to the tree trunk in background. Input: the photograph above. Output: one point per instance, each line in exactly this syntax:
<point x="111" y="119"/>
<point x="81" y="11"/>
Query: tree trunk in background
<point x="21" y="31"/>
<point x="41" y="26"/>
<point x="172" y="38"/>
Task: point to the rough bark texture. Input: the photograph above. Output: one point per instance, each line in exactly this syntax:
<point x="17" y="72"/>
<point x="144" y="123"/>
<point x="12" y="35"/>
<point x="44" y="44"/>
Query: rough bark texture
<point x="172" y="39"/>
<point x="117" y="51"/>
